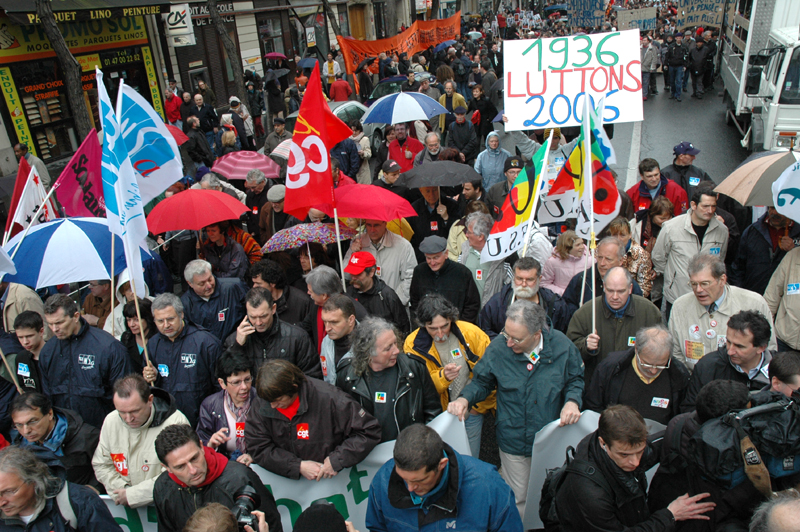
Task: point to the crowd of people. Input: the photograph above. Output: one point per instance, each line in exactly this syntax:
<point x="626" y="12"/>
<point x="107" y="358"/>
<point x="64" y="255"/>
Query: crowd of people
<point x="237" y="356"/>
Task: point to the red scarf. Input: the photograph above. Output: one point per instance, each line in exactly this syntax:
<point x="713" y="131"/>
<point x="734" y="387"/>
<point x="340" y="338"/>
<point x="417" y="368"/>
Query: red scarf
<point x="292" y="409"/>
<point x="321" y="334"/>
<point x="216" y="465"/>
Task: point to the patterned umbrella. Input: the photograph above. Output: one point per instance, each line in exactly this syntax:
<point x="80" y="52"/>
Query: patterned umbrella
<point x="282" y="150"/>
<point x="236" y="165"/>
<point x="298" y="235"/>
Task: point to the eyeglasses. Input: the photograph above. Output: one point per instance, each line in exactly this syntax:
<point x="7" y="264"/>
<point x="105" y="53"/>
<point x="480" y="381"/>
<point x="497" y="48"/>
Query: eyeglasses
<point x="248" y="381"/>
<point x="29" y="425"/>
<point x="702" y="284"/>
<point x="514" y="340"/>
<point x="651" y="366"/>
<point x="7" y="494"/>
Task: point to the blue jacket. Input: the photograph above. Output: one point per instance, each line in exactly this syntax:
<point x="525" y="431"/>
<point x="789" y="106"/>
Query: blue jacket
<point x="755" y="260"/>
<point x="490" y="163"/>
<point x="346" y="152"/>
<point x="223" y="311"/>
<point x="78" y="373"/>
<point x="527" y="400"/>
<point x="213" y="418"/>
<point x="186" y="367"/>
<point x="10" y="345"/>
<point x="475" y="498"/>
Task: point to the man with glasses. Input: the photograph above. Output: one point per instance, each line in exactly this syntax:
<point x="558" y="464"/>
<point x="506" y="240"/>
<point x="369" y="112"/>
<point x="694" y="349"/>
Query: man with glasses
<point x="619" y="314"/>
<point x="743" y="358"/>
<point x="224" y="414"/>
<point x="125" y="460"/>
<point x="699" y="321"/>
<point x="541" y="373"/>
<point x="644" y="377"/>
<point x="525" y="285"/>
<point x="261" y="336"/>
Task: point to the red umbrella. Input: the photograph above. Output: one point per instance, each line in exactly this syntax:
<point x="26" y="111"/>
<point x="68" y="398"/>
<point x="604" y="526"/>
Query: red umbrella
<point x="368" y="202"/>
<point x="193" y="209"/>
<point x="180" y="136"/>
<point x="275" y="55"/>
<point x="236" y="165"/>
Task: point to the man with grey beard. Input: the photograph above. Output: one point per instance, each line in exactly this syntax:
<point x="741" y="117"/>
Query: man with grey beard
<point x="433" y="145"/>
<point x="525" y="285"/>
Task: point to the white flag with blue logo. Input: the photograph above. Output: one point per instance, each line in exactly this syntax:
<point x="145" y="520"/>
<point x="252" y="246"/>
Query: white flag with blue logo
<point x="124" y="207"/>
<point x="154" y="153"/>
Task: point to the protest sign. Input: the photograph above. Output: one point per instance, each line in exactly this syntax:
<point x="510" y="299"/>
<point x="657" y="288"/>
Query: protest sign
<point x="586" y="12"/>
<point x="79" y="189"/>
<point x="549" y="452"/>
<point x="641" y="19"/>
<point x="705" y="13"/>
<point x="547" y="79"/>
<point x="348" y="490"/>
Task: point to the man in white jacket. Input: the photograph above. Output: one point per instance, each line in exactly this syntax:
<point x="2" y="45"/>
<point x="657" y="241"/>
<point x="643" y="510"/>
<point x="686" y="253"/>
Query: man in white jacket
<point x="125" y="460"/>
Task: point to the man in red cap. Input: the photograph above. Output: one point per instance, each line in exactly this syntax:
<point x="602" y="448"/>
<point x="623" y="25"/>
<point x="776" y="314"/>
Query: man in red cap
<point x="379" y="299"/>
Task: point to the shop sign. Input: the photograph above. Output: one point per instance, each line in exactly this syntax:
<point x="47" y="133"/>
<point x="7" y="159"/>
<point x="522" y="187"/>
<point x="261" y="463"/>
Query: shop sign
<point x="311" y="37"/>
<point x="14" y="105"/>
<point x="21" y="17"/>
<point x="201" y="16"/>
<point x="27" y="43"/>
<point x="179" y="20"/>
<point x="89" y="62"/>
<point x="152" y="81"/>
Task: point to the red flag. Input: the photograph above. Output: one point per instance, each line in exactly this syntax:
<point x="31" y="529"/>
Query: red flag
<point x="80" y="187"/>
<point x="19" y="185"/>
<point x="308" y="178"/>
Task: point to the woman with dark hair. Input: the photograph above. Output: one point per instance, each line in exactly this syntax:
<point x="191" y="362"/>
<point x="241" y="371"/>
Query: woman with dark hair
<point x="487" y="110"/>
<point x="364" y="152"/>
<point x="645" y="227"/>
<point x="132" y="338"/>
<point x="313" y="255"/>
<point x="383" y="150"/>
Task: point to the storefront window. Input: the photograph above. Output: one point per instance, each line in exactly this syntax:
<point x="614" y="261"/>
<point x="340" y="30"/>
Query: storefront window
<point x="271" y="36"/>
<point x="344" y="23"/>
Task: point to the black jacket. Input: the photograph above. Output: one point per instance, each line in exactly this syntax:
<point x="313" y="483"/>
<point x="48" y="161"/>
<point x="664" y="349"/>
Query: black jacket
<point x="609" y="376"/>
<point x="197" y="147"/>
<point x="207" y="116"/>
<point x="427" y="223"/>
<point x="255" y="204"/>
<point x="186" y="367"/>
<point x="338" y="428"/>
<point x="677" y="55"/>
<point x="717" y="366"/>
<point x="755" y="260"/>
<point x="416" y="398"/>
<point x="311" y="322"/>
<point x="228" y="260"/>
<point x="175" y="504"/>
<point x="464" y="138"/>
<point x="493" y="314"/>
<point x="77" y="447"/>
<point x="294" y="305"/>
<point x="453" y="281"/>
<point x="382" y="302"/>
<point x="571" y="299"/>
<point x="586" y="506"/>
<point x="281" y="340"/>
<point x="78" y="373"/>
<point x="223" y="311"/>
<point x="346" y="152"/>
<point x="687" y="177"/>
<point x="698" y="58"/>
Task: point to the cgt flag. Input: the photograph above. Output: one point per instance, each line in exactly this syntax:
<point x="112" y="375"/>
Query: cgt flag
<point x="154" y="154"/>
<point x="308" y="177"/>
<point x="124" y="208"/>
<point x="79" y="188"/>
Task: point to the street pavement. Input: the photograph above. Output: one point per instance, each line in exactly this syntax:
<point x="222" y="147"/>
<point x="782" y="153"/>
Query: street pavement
<point x="668" y="123"/>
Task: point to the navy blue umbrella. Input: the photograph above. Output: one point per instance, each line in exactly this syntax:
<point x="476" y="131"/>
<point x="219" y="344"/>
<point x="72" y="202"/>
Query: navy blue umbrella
<point x="441" y="46"/>
<point x="308" y="62"/>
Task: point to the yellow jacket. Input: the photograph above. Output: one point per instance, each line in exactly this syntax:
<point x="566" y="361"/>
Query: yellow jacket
<point x="458" y="100"/>
<point x="473" y="342"/>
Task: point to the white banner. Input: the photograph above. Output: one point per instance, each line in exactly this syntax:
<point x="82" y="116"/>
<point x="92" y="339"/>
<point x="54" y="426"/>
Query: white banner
<point x="549" y="452"/>
<point x="786" y="193"/>
<point x="348" y="490"/>
<point x="641" y="19"/>
<point x="547" y="79"/>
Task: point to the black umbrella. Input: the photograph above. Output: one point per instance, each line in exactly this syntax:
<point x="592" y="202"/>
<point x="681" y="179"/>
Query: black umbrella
<point x="269" y="75"/>
<point x="365" y="63"/>
<point x="438" y="174"/>
<point x="281" y="72"/>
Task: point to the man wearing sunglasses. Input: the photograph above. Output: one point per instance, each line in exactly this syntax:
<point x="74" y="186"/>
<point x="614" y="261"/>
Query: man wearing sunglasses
<point x="644" y="377"/>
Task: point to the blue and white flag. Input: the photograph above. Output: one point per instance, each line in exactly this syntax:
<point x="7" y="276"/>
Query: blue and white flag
<point x="124" y="207"/>
<point x="154" y="154"/>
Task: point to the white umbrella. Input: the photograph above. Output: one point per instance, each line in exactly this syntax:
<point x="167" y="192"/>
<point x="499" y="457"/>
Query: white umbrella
<point x="402" y="107"/>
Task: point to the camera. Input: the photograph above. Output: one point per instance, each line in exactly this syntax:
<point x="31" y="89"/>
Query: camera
<point x="245" y="500"/>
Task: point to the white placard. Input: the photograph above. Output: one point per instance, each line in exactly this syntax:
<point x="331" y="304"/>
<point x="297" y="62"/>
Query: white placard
<point x="546" y="79"/>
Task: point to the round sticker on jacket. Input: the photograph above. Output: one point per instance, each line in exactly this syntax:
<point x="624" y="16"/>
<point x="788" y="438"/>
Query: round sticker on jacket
<point x="711" y="333"/>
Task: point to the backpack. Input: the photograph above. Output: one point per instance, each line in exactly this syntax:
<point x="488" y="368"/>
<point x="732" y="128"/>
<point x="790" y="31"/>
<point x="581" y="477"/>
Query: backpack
<point x="553" y="481"/>
<point x="459" y="68"/>
<point x="65" y="506"/>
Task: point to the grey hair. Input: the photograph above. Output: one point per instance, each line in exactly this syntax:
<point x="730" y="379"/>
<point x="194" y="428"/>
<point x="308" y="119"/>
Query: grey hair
<point x="529" y="314"/>
<point x="433" y="134"/>
<point x="255" y="176"/>
<point x="211" y="179"/>
<point x="654" y="339"/>
<point x="481" y="223"/>
<point x="712" y="262"/>
<point x="526" y="264"/>
<point x="166" y="300"/>
<point x="32" y="471"/>
<point x="628" y="276"/>
<point x="762" y="517"/>
<point x="363" y="340"/>
<point x="324" y="280"/>
<point x="225" y="119"/>
<point x="615" y="241"/>
<point x="196" y="267"/>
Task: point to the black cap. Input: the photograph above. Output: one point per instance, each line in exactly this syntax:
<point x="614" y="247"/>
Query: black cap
<point x="390" y="166"/>
<point x="279" y="121"/>
<point x="460" y="110"/>
<point x="513" y="162"/>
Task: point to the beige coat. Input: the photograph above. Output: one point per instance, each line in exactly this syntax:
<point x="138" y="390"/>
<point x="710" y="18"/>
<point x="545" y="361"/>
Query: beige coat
<point x="690" y="322"/>
<point x="137" y="446"/>
<point x="21" y="298"/>
<point x="677" y="243"/>
<point x="783" y="298"/>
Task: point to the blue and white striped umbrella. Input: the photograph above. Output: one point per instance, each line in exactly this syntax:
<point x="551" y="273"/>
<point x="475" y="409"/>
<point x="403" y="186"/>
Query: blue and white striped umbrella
<point x="66" y="250"/>
<point x="403" y="107"/>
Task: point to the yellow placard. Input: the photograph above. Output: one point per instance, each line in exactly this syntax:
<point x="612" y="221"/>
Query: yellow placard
<point x="89" y="62"/>
<point x="152" y="81"/>
<point x="15" y="109"/>
<point x="694" y="350"/>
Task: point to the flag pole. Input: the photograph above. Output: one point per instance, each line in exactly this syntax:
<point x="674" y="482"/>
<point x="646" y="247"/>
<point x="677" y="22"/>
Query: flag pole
<point x="338" y="243"/>
<point x="588" y="180"/>
<point x="139" y="317"/>
<point x="35" y="215"/>
<point x="8" y="368"/>
<point x="111" y="274"/>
